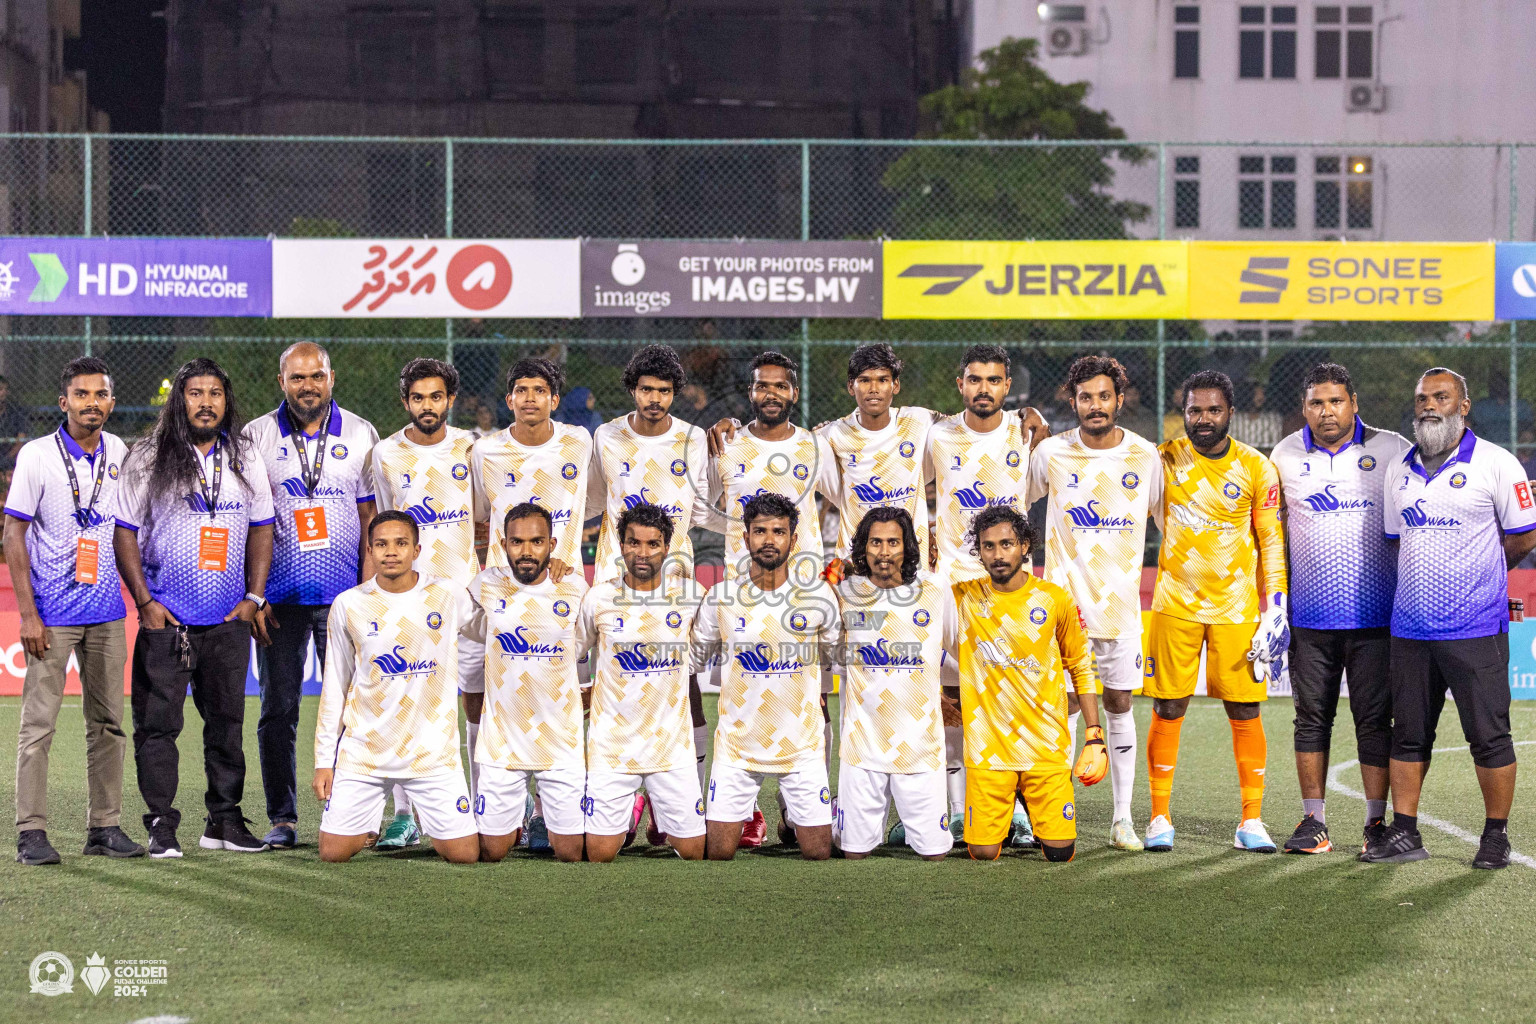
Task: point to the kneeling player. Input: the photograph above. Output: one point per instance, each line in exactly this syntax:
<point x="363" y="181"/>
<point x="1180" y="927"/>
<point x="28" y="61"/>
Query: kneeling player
<point x="388" y="710"/>
<point x="641" y="730"/>
<point x="531" y="728"/>
<point x="894" y="623"/>
<point x="1017" y="639"/>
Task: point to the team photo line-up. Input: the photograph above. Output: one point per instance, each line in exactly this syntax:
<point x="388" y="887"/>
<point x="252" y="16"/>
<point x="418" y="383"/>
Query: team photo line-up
<point x="1347" y="550"/>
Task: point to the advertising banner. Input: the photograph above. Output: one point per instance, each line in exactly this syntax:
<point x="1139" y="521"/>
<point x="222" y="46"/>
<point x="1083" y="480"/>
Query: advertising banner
<point x="1341" y="280"/>
<point x="425" y="277"/>
<point x="1514" y="281"/>
<point x="666" y="279"/>
<point x="136" y="276"/>
<point x="1092" y="280"/>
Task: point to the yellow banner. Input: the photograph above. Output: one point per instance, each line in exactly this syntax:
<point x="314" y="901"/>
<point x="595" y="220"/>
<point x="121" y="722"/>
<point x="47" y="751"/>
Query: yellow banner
<point x="1091" y="280"/>
<point x="1341" y="280"/>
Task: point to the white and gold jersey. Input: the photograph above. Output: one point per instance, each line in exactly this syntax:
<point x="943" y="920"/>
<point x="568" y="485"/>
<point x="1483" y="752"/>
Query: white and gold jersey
<point x="639" y="644"/>
<point x="1096" y="524"/>
<point x="796" y="467"/>
<point x="532" y="716"/>
<point x="432" y="483"/>
<point x="971" y="471"/>
<point x="389" y="696"/>
<point x="894" y="644"/>
<point x="770" y="672"/>
<point x="552" y="474"/>
<point x="670" y="471"/>
<point x="881" y="467"/>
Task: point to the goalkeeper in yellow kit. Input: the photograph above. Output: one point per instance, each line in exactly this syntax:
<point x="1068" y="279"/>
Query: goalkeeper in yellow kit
<point x="1017" y="639"/>
<point x="1223" y="548"/>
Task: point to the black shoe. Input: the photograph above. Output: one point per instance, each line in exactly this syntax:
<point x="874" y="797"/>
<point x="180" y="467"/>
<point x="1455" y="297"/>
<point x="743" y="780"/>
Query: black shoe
<point x="162" y="841"/>
<point x="110" y="841"/>
<point x="1311" y="836"/>
<point x="282" y="837"/>
<point x="33" y="848"/>
<point x="1375" y="832"/>
<point x="231" y="834"/>
<point x="1493" y="851"/>
<point x="787" y="835"/>
<point x="1398" y="846"/>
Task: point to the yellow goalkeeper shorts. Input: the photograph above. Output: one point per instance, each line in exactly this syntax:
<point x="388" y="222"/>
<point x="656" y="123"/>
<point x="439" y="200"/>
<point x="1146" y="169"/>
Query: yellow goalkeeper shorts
<point x="989" y="804"/>
<point x="1174" y="667"/>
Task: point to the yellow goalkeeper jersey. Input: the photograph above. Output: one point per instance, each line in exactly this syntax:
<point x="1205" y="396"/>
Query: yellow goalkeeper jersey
<point x="1015" y="651"/>
<point x="1223" y="543"/>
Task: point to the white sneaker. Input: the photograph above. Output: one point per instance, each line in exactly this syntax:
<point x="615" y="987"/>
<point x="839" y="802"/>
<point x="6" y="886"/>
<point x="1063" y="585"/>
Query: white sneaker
<point x="1253" y="836"/>
<point x="1159" y="835"/>
<point x="1122" y="835"/>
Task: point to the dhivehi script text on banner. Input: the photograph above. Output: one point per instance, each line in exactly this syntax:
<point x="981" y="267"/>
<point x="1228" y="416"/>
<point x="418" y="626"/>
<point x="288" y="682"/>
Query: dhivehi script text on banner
<point x="1089" y="280"/>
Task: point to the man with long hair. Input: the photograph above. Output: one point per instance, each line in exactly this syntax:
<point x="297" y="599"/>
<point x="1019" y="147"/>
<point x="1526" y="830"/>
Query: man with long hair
<point x="193" y="544"/>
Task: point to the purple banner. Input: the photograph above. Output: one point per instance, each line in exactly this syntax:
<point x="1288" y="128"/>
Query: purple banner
<point x="135" y="276"/>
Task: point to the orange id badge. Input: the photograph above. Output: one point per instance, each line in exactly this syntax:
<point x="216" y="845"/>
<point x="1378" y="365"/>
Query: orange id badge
<point x="310" y="526"/>
<point x="213" y="548"/>
<point x="87" y="552"/>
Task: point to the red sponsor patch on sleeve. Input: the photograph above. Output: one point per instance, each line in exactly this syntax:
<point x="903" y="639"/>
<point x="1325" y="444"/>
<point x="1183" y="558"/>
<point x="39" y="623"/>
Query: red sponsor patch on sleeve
<point x="1523" y="493"/>
<point x="1272" y="498"/>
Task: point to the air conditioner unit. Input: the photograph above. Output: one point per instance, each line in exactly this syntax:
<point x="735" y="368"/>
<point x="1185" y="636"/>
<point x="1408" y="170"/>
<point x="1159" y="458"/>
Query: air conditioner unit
<point x="1365" y="96"/>
<point x="1067" y="40"/>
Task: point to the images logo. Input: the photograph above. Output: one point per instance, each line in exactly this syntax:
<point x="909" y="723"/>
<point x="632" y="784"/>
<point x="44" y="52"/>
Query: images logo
<point x="1273" y="286"/>
<point x="628" y="267"/>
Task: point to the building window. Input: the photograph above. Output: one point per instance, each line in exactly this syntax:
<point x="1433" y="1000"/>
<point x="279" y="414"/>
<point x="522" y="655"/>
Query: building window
<point x="1266" y="192"/>
<point x="1266" y="32"/>
<point x="394" y="51"/>
<point x="1344" y="42"/>
<point x="1186" y="42"/>
<point x="607" y="42"/>
<point x="514" y="48"/>
<point x="1343" y="193"/>
<point x="1186" y="192"/>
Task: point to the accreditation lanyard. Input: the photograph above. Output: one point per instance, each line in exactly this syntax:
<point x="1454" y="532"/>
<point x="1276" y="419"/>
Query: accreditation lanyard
<point x="211" y="496"/>
<point x="310" y="482"/>
<point x="74" y="481"/>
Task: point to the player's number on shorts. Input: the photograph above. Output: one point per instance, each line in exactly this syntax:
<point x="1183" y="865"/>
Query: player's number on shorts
<point x="479" y="803"/>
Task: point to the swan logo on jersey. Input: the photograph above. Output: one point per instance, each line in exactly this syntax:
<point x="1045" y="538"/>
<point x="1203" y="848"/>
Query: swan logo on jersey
<point x="674" y="619"/>
<point x="645" y="498"/>
<point x="517" y="644"/>
<point x="112" y="471"/>
<point x="881" y="656"/>
<point x="1038" y="616"/>
<point x="644" y="658"/>
<point x="395" y="663"/>
<point x="460" y="471"/>
<point x="562" y="609"/>
<point x="295" y="488"/>
<point x="1068" y="811"/>
<point x="1130" y="481"/>
<point x="1459" y="480"/>
<point x="1231" y="490"/>
<point x="434" y="620"/>
<point x="568" y="471"/>
<point x="1192" y="518"/>
<point x="89" y="517"/>
<point x="462" y="804"/>
<point x="1013" y="460"/>
<point x="199" y="505"/>
<point x="801" y="472"/>
<point x="907" y="449"/>
<point x="426" y="513"/>
<point x="797" y="622"/>
<point x="871" y="493"/>
<point x="1088" y="517"/>
<point x="756" y="659"/>
<point x="679" y="467"/>
<point x="338" y="451"/>
<point x="920" y="617"/>
<point x="975" y="497"/>
<point x="1367" y="462"/>
<point x="1325" y="502"/>
<point x="1415" y="516"/>
<point x="996" y="652"/>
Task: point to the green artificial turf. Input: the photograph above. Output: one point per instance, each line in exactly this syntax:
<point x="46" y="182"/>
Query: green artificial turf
<point x="1204" y="933"/>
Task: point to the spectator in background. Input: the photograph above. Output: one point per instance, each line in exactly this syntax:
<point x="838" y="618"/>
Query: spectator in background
<point x="1490" y="416"/>
<point x="692" y="402"/>
<point x="1173" y="419"/>
<point x="1254" y="423"/>
<point x="15" y="425"/>
<point x="579" y="409"/>
<point x="485" y="421"/>
<point x="1136" y="417"/>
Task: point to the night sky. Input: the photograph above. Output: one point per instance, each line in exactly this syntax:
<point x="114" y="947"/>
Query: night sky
<point x="122" y="49"/>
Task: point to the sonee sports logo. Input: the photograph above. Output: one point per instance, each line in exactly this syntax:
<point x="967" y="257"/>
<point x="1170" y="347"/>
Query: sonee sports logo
<point x="1272" y="285"/>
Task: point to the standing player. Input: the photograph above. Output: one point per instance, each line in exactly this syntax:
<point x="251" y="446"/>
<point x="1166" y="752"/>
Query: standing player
<point x="1343" y="577"/>
<point x="1462" y="511"/>
<point x="772" y="632"/>
<point x="316" y="455"/>
<point x="1017" y="639"/>
<point x="423" y="470"/>
<point x="638" y="627"/>
<point x="387" y="715"/>
<point x="527" y="623"/>
<point x="895" y="620"/>
<point x="1223" y="548"/>
<point x="1103" y="480"/>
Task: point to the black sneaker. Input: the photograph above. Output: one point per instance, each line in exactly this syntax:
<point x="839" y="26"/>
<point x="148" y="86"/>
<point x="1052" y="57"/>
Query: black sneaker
<point x="282" y="837"/>
<point x="231" y="834"/>
<point x="33" y="848"/>
<point x="1311" y="836"/>
<point x="1398" y="846"/>
<point x="110" y="841"/>
<point x="1375" y="832"/>
<point x="787" y="835"/>
<point x="162" y="841"/>
<point x="1493" y="851"/>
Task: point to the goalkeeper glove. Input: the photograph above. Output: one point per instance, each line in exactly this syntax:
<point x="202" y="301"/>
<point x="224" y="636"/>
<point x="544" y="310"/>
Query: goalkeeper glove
<point x="835" y="571"/>
<point x="1093" y="762"/>
<point x="1271" y="641"/>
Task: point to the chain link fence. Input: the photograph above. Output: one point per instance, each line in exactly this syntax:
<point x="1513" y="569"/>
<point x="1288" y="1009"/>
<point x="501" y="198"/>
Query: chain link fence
<point x="386" y="187"/>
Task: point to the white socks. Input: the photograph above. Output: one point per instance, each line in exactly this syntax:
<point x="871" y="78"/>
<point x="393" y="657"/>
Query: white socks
<point x="826" y="745"/>
<point x="402" y="802"/>
<point x="954" y="761"/>
<point x="472" y="730"/>
<point x="700" y="751"/>
<point x="1121" y="740"/>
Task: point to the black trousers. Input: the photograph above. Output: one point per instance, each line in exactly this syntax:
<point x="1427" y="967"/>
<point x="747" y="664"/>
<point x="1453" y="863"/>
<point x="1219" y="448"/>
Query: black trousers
<point x="1476" y="671"/>
<point x="282" y="686"/>
<point x="1319" y="659"/>
<point x="213" y="660"/>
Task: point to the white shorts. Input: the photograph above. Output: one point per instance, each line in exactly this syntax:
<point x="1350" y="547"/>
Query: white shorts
<point x="807" y="797"/>
<point x="864" y="797"/>
<point x="471" y="665"/>
<point x="503" y="795"/>
<point x="1119" y="661"/>
<point x="441" y="803"/>
<point x="676" y="802"/>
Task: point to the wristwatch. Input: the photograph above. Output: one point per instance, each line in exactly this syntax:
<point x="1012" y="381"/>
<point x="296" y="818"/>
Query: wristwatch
<point x="256" y="599"/>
